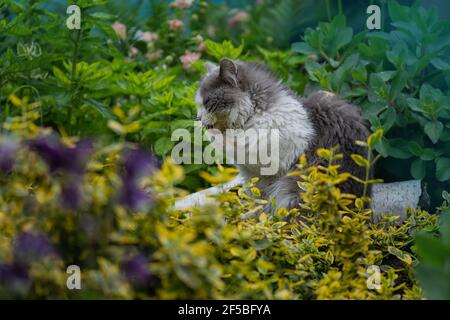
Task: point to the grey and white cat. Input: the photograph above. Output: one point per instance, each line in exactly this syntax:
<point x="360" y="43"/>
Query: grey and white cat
<point x="245" y="95"/>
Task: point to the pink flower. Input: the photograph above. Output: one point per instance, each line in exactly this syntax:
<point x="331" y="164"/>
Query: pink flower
<point x="120" y="29"/>
<point x="188" y="58"/>
<point x="181" y="4"/>
<point x="153" y="56"/>
<point x="176" y="24"/>
<point x="133" y="51"/>
<point x="201" y="47"/>
<point x="237" y="18"/>
<point x="147" y="36"/>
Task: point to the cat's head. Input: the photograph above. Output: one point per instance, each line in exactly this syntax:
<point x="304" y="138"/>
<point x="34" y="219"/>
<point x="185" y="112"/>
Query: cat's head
<point x="223" y="96"/>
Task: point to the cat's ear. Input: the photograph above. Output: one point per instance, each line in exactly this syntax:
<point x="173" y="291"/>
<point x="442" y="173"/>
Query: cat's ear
<point x="210" y="67"/>
<point x="228" y="72"/>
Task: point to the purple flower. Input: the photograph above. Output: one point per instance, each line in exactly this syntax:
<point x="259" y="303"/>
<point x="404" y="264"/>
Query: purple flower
<point x="136" y="269"/>
<point x="137" y="164"/>
<point x="7" y="150"/>
<point x="14" y="278"/>
<point x="60" y="157"/>
<point x="30" y="247"/>
<point x="134" y="197"/>
<point x="70" y="194"/>
<point x="9" y="272"/>
<point x="70" y="161"/>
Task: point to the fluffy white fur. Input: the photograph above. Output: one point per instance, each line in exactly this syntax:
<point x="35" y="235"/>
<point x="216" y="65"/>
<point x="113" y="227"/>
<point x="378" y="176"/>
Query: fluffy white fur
<point x="296" y="130"/>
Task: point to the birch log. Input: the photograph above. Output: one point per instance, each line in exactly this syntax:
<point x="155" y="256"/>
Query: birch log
<point x="203" y="198"/>
<point x="387" y="198"/>
<point x="395" y="198"/>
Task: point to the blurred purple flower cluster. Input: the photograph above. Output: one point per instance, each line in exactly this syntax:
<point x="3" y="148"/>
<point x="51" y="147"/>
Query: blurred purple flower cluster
<point x="136" y="164"/>
<point x="28" y="248"/>
<point x="136" y="269"/>
<point x="14" y="279"/>
<point x="61" y="157"/>
<point x="7" y="150"/>
<point x="31" y="247"/>
<point x="67" y="166"/>
<point x="71" y="162"/>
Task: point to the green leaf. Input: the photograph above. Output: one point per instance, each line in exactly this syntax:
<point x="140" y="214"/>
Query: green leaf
<point x="103" y="16"/>
<point x="316" y="71"/>
<point x="223" y="50"/>
<point x="386" y="75"/>
<point x="383" y="147"/>
<point x="378" y="89"/>
<point x="446" y="197"/>
<point x="398" y="83"/>
<point x="414" y="104"/>
<point x="427" y="154"/>
<point x="444" y="227"/>
<point x="303" y="48"/>
<point x="434" y="130"/>
<point x="116" y="127"/>
<point x="375" y="49"/>
<point x="182" y="123"/>
<point x="324" y="153"/>
<point x="360" y="73"/>
<point x="340" y="35"/>
<point x="387" y="118"/>
<point x="418" y="169"/>
<point x="415" y="148"/>
<point x="434" y="281"/>
<point x="402" y="255"/>
<point x="430" y="250"/>
<point x="360" y="161"/>
<point x="375" y="138"/>
<point x="443" y="169"/>
<point x="398" y="12"/>
<point x="163" y="145"/>
<point x="440" y="64"/>
<point x="105" y="111"/>
<point x="339" y="76"/>
<point x="397" y="148"/>
<point x="262" y="244"/>
<point x="61" y="76"/>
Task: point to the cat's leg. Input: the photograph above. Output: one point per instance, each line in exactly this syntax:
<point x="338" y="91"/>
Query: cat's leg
<point x="284" y="192"/>
<point x="202" y="198"/>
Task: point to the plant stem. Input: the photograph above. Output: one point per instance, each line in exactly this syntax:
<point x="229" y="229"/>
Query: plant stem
<point x="73" y="75"/>
<point x="369" y="160"/>
<point x="327" y="3"/>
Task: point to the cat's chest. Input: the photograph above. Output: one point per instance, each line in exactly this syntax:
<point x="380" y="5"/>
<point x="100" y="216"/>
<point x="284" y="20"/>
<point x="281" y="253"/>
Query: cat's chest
<point x="289" y="122"/>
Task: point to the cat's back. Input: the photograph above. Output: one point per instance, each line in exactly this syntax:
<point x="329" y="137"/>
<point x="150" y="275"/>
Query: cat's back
<point x="335" y="121"/>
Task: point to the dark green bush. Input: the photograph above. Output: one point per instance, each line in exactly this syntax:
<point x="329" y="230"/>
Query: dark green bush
<point x="400" y="78"/>
<point x="433" y="271"/>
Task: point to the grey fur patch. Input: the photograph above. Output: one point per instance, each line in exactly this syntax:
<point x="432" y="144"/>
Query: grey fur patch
<point x="337" y="123"/>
